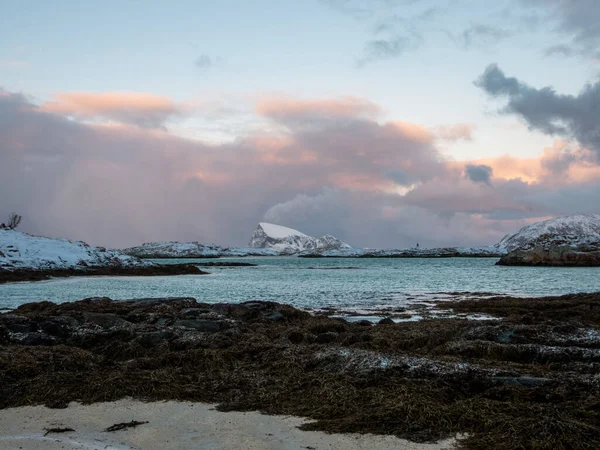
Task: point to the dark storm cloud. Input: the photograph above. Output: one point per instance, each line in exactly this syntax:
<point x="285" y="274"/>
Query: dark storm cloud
<point x="547" y="111"/>
<point x="479" y="173"/>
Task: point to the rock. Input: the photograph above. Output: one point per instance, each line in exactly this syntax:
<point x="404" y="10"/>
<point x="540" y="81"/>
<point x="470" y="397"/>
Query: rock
<point x="163" y="322"/>
<point x="289" y="241"/>
<point x="505" y="337"/>
<point x="55" y="328"/>
<point x="296" y="337"/>
<point x="32" y="339"/>
<point x="160" y="301"/>
<point x="205" y="326"/>
<point x="386" y="321"/>
<point x="191" y="312"/>
<point x="523" y="381"/>
<point x="153" y="338"/>
<point x="364" y="323"/>
<point x="326" y="338"/>
<point x="575" y="243"/>
<point x="105" y="320"/>
<point x="4" y="336"/>
<point x="20" y="326"/>
<point x="275" y="317"/>
<point x="236" y="311"/>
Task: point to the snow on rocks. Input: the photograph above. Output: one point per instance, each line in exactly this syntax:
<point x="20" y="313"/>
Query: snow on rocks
<point x="21" y="251"/>
<point x="288" y="241"/>
<point x="576" y="227"/>
<point x="563" y="241"/>
<point x="193" y="250"/>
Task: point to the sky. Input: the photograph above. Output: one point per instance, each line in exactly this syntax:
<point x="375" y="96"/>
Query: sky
<point x="382" y="122"/>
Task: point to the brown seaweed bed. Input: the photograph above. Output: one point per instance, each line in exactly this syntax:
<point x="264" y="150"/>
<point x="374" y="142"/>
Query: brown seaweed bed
<point x="530" y="380"/>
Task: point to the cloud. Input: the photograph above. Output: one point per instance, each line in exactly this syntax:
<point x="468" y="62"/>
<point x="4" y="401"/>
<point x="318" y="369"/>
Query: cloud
<point x="204" y="62"/>
<point x="479" y="173"/>
<point x="291" y="108"/>
<point x="320" y="165"/>
<point x="577" y="20"/>
<point x="560" y="50"/>
<point x="481" y="36"/>
<point x="456" y="132"/>
<point x="545" y="110"/>
<point x="381" y="49"/>
<point x="144" y="110"/>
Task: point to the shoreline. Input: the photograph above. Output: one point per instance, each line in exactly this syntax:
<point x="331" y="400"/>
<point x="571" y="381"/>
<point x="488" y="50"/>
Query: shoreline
<point x="505" y="383"/>
<point x="19" y="275"/>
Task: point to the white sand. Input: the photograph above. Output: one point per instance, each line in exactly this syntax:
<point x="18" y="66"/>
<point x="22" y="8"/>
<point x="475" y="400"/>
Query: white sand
<point x="174" y="425"/>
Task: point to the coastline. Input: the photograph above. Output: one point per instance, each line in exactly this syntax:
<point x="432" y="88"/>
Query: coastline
<point x="504" y="383"/>
<point x="18" y="275"/>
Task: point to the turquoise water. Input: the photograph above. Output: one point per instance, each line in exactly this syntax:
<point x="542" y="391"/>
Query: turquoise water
<point x="347" y="283"/>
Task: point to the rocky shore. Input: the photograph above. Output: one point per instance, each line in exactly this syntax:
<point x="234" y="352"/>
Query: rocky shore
<point x="526" y="380"/>
<point x="549" y="250"/>
<point x="16" y="275"/>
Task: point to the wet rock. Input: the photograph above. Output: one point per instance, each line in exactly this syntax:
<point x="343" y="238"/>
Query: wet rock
<point x="236" y="311"/>
<point x="505" y="337"/>
<point x="55" y="328"/>
<point x="163" y="322"/>
<point x="205" y="326"/>
<point x="191" y="312"/>
<point x="32" y="339"/>
<point x="275" y="317"/>
<point x="160" y="301"/>
<point x="386" y="321"/>
<point x="105" y="320"/>
<point x="326" y="338"/>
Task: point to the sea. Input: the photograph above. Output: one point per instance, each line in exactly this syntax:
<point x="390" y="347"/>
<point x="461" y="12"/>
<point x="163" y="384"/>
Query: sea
<point x="341" y="283"/>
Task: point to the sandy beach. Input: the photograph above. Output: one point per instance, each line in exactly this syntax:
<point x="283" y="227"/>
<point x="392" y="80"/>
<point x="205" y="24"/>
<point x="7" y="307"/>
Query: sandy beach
<point x="175" y="425"/>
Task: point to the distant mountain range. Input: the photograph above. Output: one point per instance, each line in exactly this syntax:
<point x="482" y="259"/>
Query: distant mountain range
<point x="571" y="240"/>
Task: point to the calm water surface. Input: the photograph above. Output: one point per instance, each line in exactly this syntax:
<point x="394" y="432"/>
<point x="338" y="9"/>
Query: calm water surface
<point x="347" y="283"/>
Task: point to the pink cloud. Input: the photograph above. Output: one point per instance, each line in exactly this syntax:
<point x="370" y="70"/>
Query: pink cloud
<point x="373" y="183"/>
<point x="292" y="108"/>
<point x="457" y="132"/>
<point x="146" y="110"/>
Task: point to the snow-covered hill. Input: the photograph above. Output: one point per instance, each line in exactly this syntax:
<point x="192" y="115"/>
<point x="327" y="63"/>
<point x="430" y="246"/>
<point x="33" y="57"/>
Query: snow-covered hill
<point x="563" y="241"/>
<point x="568" y="228"/>
<point x="192" y="250"/>
<point x="289" y="241"/>
<point x="23" y="251"/>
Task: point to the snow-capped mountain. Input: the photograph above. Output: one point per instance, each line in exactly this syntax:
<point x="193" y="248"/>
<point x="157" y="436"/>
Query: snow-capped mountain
<point x="568" y="228"/>
<point x="23" y="251"/>
<point x="289" y="241"/>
